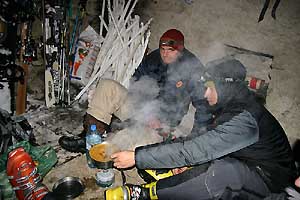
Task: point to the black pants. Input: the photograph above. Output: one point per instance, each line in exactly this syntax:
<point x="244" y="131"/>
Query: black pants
<point x="195" y="184"/>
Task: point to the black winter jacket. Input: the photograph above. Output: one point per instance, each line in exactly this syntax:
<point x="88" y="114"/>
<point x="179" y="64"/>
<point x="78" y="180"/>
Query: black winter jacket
<point x="179" y="85"/>
<point x="243" y="129"/>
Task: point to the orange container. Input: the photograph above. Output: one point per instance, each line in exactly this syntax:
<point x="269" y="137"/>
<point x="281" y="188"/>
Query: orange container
<point x="22" y="173"/>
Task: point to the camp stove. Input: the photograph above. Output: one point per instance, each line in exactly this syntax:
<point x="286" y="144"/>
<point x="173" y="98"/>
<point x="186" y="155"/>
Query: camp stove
<point x="101" y="158"/>
<point x="105" y="177"/>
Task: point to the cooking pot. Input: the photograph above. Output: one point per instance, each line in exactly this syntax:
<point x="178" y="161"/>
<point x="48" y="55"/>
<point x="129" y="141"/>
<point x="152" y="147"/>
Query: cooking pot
<point x="100" y="155"/>
<point x="67" y="188"/>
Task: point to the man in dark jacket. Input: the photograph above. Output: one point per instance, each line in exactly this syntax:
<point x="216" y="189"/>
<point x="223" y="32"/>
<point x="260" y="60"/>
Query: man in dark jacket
<point x="247" y="147"/>
<point x="177" y="73"/>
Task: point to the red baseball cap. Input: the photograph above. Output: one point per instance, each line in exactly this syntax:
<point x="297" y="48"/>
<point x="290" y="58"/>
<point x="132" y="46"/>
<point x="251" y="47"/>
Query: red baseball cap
<point x="173" y="38"/>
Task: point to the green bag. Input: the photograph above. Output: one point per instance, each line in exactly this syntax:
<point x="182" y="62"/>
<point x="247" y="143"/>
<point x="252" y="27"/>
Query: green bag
<point x="43" y="156"/>
<point x="6" y="191"/>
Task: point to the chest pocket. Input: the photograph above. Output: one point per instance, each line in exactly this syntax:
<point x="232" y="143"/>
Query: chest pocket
<point x="176" y="91"/>
<point x="176" y="86"/>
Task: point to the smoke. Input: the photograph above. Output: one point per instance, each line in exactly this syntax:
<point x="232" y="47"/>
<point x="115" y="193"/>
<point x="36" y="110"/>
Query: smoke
<point x="146" y="89"/>
<point x="146" y="107"/>
<point x="142" y="95"/>
<point x="134" y="136"/>
<point x="143" y="107"/>
<point x="214" y="51"/>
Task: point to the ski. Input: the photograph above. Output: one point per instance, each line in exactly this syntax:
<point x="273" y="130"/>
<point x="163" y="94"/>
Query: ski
<point x="54" y="33"/>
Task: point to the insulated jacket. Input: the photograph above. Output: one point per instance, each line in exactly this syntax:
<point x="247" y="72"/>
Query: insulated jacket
<point x="242" y="129"/>
<point x="179" y="84"/>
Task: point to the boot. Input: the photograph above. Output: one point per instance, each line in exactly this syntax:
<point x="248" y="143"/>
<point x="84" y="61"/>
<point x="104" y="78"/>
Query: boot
<point x="132" y="192"/>
<point x="77" y="143"/>
<point x="73" y="144"/>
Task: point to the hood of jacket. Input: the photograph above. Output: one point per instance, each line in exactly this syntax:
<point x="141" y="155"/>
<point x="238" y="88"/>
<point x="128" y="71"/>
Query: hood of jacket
<point x="228" y="76"/>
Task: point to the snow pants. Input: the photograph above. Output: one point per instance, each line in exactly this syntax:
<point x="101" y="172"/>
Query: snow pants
<point x="196" y="184"/>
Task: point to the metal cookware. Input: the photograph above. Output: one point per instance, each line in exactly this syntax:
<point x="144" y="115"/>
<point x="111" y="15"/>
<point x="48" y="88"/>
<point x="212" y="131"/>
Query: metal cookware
<point x="68" y="188"/>
<point x="100" y="155"/>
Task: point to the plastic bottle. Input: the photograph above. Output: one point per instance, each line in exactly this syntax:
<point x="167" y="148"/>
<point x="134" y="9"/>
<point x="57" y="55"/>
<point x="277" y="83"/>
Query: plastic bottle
<point x="92" y="138"/>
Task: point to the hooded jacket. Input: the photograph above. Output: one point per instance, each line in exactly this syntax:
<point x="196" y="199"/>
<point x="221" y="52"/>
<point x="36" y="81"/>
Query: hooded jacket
<point x="242" y="129"/>
<point x="179" y="86"/>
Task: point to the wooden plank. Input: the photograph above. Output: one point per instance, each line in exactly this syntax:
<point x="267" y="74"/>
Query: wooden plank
<point x="21" y="88"/>
<point x="22" y="93"/>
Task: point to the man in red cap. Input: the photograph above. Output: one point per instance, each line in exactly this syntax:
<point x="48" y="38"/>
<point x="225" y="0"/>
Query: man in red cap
<point x="177" y="73"/>
<point x="171" y="45"/>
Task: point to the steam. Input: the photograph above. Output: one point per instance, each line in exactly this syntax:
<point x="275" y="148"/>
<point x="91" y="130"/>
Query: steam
<point x="215" y="50"/>
<point x="145" y="106"/>
<point x="142" y="95"/>
<point x="145" y="91"/>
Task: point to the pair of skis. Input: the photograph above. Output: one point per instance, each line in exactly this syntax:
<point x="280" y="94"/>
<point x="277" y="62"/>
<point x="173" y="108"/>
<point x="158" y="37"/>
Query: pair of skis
<point x="54" y="42"/>
<point x="56" y="53"/>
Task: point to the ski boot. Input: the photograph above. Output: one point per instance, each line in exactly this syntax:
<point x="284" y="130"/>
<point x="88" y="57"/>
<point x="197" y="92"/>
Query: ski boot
<point x="132" y="192"/>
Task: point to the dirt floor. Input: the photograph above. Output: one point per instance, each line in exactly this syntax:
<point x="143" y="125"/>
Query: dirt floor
<point x="48" y="126"/>
<point x="78" y="168"/>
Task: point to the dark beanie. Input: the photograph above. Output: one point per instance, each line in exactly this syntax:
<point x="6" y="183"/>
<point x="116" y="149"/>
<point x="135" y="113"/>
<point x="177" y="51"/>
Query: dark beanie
<point x="173" y="38"/>
<point x="226" y="69"/>
<point x="228" y="75"/>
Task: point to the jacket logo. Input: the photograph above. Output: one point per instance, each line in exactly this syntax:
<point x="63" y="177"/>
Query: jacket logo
<point x="179" y="84"/>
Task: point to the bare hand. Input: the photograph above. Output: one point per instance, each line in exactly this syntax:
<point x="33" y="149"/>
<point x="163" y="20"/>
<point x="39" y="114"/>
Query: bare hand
<point x="179" y="170"/>
<point x="123" y="159"/>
